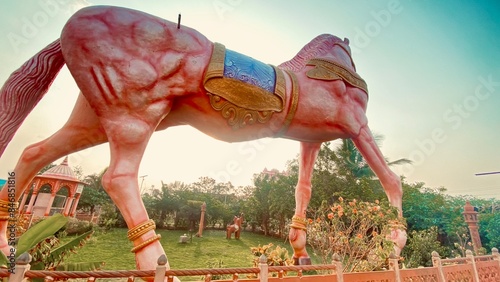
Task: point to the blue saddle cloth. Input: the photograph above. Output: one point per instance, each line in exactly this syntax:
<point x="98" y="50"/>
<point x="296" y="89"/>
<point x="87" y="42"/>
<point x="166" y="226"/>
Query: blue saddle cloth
<point x="249" y="70"/>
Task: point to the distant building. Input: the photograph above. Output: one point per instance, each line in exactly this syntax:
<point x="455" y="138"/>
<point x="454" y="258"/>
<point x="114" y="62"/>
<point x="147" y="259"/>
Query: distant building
<point x="273" y="172"/>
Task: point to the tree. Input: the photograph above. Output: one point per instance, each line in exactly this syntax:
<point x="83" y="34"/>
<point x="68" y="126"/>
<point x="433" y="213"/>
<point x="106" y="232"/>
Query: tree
<point x="93" y="195"/>
<point x="282" y="200"/>
<point x="424" y="207"/>
<point x="493" y="231"/>
<point x="352" y="162"/>
<point x="164" y="203"/>
<point x="343" y="171"/>
<point x="260" y="202"/>
<point x="190" y="212"/>
<point x="356" y="171"/>
<point x="222" y="202"/>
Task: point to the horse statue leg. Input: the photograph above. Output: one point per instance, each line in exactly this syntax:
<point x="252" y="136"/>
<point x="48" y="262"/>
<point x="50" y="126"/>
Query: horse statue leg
<point x="82" y="130"/>
<point x="297" y="235"/>
<point x="120" y="182"/>
<point x="128" y="135"/>
<point x="131" y="66"/>
<point x="237" y="232"/>
<point x="389" y="180"/>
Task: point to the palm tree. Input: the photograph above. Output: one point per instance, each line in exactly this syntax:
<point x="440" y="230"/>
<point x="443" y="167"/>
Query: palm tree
<point x="350" y="160"/>
<point x="343" y="171"/>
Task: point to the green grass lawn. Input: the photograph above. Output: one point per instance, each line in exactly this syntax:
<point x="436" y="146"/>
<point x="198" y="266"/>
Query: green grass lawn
<point x="113" y="248"/>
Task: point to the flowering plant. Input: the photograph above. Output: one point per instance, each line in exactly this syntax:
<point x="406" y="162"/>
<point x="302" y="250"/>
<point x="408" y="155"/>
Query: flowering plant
<point x="358" y="232"/>
<point x="276" y="255"/>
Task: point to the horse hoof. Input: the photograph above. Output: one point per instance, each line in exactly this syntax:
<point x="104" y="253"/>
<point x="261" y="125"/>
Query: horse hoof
<point x="302" y="261"/>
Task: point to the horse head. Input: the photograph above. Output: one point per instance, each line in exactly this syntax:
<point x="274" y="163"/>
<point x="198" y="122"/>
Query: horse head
<point x="325" y="46"/>
<point x="331" y="58"/>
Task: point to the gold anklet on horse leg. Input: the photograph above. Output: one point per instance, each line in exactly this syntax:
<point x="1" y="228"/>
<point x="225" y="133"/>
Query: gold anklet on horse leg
<point x="6" y="206"/>
<point x="299" y="219"/>
<point x="299" y="223"/>
<point x="141" y="229"/>
<point x="145" y="243"/>
<point x="397" y="225"/>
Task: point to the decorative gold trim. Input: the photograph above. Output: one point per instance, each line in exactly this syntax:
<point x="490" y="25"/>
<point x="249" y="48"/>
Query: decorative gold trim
<point x="145" y="243"/>
<point x="280" y="87"/>
<point x="237" y="117"/>
<point x="329" y="70"/>
<point x="244" y="95"/>
<point x="321" y="73"/>
<point x="293" y="104"/>
<point x="141" y="229"/>
<point x="216" y="65"/>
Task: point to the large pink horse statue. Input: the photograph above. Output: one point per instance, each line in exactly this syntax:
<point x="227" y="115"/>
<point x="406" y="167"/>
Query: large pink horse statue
<point x="138" y="74"/>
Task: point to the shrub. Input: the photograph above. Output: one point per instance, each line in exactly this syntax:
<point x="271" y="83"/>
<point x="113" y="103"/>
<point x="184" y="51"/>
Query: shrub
<point x="356" y="231"/>
<point x="77" y="227"/>
<point x="421" y="244"/>
<point x="108" y="217"/>
<point x="276" y="255"/>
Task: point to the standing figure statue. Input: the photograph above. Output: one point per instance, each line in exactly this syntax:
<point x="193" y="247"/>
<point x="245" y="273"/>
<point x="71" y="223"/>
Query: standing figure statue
<point x="138" y="74"/>
<point x="235" y="227"/>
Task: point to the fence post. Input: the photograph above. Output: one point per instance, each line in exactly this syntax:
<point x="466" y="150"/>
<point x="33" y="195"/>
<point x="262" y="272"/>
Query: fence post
<point x="436" y="262"/>
<point x="394" y="266"/>
<point x="22" y="265"/>
<point x="496" y="255"/>
<point x="264" y="269"/>
<point x="470" y="257"/>
<point x="161" y="268"/>
<point x="339" y="269"/>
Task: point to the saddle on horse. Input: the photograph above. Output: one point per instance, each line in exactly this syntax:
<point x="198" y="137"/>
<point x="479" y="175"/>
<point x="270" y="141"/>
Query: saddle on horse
<point x="248" y="88"/>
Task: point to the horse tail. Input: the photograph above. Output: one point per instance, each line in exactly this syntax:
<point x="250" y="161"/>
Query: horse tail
<point x="24" y="89"/>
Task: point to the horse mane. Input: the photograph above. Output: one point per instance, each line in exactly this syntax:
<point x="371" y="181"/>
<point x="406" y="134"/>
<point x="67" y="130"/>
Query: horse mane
<point x="319" y="45"/>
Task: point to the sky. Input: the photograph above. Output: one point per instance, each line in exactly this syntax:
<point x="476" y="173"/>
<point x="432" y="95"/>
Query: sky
<point x="432" y="69"/>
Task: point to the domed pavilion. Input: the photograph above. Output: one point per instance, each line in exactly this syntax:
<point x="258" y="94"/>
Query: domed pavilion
<point x="57" y="190"/>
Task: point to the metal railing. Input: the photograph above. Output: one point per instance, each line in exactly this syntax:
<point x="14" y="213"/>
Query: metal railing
<point x="469" y="268"/>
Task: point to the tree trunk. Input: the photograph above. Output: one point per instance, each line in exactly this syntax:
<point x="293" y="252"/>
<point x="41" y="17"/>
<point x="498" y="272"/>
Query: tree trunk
<point x="265" y="226"/>
<point x="161" y="222"/>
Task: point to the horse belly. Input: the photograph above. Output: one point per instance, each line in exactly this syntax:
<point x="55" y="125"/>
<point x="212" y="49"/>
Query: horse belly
<point x="195" y="110"/>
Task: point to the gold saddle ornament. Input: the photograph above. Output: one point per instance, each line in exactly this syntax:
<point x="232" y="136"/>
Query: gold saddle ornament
<point x="325" y="69"/>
